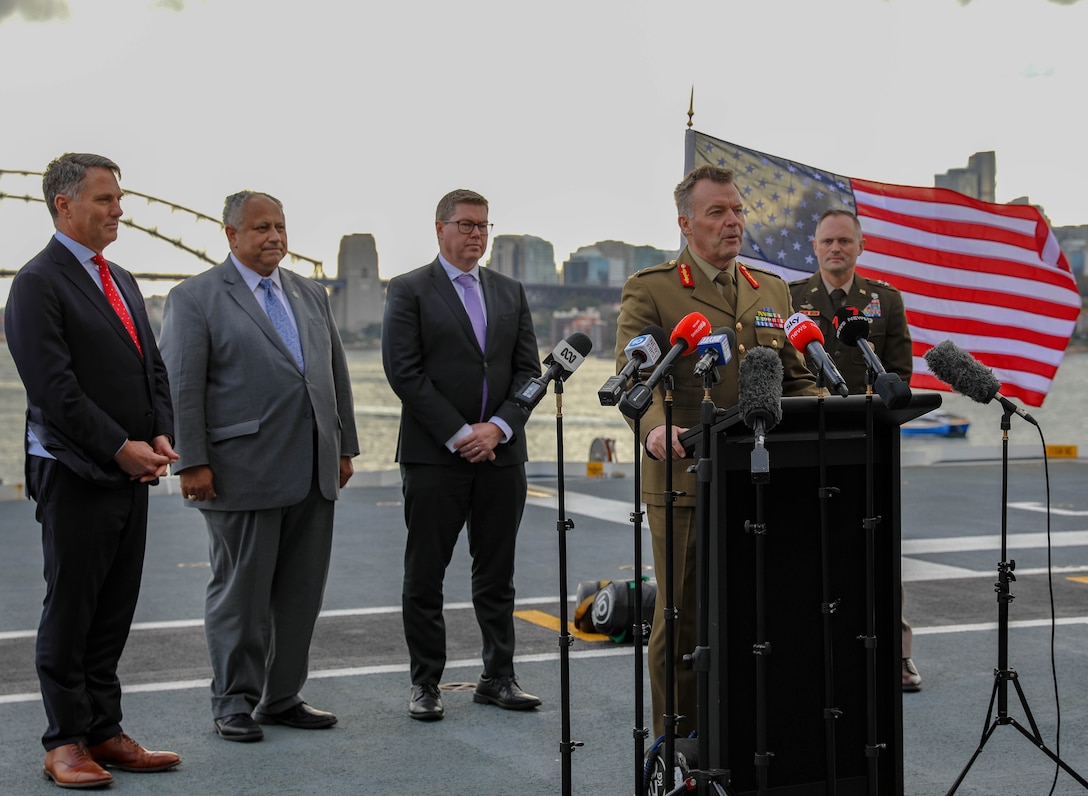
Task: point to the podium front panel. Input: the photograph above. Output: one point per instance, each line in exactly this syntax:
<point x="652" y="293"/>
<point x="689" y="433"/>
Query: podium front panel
<point x="791" y="515"/>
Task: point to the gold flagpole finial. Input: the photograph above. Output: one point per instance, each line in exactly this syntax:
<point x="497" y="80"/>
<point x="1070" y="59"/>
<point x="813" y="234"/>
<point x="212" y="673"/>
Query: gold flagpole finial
<point x="691" y="106"/>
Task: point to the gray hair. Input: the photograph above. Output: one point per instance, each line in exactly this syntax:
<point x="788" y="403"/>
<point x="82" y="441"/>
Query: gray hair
<point x="448" y="203"/>
<point x="64" y="176"/>
<point x="682" y="194"/>
<point x="236" y="203"/>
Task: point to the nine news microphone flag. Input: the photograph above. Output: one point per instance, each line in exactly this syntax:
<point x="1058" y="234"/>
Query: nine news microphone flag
<point x="989" y="277"/>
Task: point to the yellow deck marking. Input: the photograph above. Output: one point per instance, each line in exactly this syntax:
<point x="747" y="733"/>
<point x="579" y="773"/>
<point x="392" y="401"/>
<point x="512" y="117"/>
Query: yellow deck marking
<point x="552" y="623"/>
<point x="1080" y="578"/>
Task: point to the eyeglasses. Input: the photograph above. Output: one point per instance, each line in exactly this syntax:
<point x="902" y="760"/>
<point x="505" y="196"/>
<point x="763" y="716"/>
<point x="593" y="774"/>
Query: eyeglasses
<point x="465" y="226"/>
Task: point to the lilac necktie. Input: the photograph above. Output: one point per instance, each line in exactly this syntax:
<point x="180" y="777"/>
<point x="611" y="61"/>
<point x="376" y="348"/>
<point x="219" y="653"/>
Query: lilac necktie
<point x="475" y="309"/>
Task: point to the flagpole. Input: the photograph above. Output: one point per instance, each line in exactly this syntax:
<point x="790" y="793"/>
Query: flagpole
<point x="689" y="135"/>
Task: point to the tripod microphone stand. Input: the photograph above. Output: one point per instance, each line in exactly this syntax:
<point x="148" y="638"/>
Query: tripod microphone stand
<point x="562" y="525"/>
<point x="1003" y="675"/>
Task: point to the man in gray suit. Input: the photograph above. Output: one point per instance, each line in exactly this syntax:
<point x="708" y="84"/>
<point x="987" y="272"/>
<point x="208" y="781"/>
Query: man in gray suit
<point x="265" y="429"/>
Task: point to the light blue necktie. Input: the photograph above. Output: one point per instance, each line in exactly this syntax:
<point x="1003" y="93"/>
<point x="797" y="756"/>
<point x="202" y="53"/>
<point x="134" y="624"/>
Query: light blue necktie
<point x="475" y="309"/>
<point x="277" y="313"/>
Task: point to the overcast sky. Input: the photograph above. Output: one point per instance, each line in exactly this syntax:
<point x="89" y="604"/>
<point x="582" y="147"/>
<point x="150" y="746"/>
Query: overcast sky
<point x="569" y="116"/>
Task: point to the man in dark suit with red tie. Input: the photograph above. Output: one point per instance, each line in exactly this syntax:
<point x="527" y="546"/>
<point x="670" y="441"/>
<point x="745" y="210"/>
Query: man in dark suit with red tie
<point x="99" y="426"/>
<point x="457" y="344"/>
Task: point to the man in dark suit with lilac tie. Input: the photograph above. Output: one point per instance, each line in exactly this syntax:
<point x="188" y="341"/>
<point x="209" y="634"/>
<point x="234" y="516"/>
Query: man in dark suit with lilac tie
<point x="457" y="344"/>
<point x="99" y="426"/>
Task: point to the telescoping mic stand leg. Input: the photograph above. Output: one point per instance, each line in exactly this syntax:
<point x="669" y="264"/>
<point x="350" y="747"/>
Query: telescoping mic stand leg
<point x="709" y="776"/>
<point x="872" y="744"/>
<point x="669" y="720"/>
<point x="566" y="746"/>
<point x="827" y="605"/>
<point x="638" y="629"/>
<point x="1003" y="675"/>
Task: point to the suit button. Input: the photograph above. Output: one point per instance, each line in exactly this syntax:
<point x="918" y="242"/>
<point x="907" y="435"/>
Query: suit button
<point x="740" y="349"/>
<point x="774" y="344"/>
<point x="740" y="326"/>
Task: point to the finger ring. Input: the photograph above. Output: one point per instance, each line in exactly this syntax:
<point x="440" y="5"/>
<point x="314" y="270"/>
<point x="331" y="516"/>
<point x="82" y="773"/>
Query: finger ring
<point x="192" y="497"/>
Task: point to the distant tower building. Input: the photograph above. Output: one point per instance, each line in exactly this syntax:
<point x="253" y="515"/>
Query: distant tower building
<point x="609" y="262"/>
<point x="357" y="296"/>
<point x="978" y="180"/>
<point x="587" y="321"/>
<point x="526" y="258"/>
<point x="589" y="266"/>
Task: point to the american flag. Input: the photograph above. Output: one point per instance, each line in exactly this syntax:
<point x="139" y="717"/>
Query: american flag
<point x="989" y="277"/>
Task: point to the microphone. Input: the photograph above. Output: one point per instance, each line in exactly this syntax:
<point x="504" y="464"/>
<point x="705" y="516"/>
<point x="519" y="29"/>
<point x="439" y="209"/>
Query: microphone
<point x="564" y="359"/>
<point x="642" y="352"/>
<point x="852" y="328"/>
<point x="806" y="336"/>
<point x="759" y="399"/>
<point x="685" y="337"/>
<point x="966" y="375"/>
<point x="715" y="350"/>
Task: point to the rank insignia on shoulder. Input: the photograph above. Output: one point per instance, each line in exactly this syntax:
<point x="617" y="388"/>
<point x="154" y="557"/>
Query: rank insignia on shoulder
<point x="748" y="275"/>
<point x="872" y="309"/>
<point x="811" y="313"/>
<point x="768" y="317"/>
<point x="686" y="278"/>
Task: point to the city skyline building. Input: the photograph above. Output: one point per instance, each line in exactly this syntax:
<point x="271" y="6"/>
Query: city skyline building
<point x="527" y="258"/>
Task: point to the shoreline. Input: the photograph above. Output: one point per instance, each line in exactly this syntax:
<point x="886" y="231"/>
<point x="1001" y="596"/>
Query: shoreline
<point x="916" y="457"/>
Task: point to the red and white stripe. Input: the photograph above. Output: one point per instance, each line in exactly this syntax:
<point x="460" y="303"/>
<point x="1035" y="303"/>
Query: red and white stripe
<point x="989" y="277"/>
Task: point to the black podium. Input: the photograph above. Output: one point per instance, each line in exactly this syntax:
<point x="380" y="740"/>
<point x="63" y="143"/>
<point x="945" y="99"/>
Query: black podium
<point x="793" y="596"/>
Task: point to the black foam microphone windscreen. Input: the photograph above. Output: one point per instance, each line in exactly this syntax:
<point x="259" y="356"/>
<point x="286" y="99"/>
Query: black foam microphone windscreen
<point x="964" y="373"/>
<point x="759" y="393"/>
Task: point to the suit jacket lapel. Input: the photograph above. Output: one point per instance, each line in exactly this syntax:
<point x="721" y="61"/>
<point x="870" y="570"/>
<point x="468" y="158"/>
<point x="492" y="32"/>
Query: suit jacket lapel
<point x="448" y="293"/>
<point x="299" y="309"/>
<point x="240" y="292"/>
<point x="74" y="271"/>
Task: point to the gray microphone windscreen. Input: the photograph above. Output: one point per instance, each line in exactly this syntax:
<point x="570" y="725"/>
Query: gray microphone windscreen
<point x="964" y="373"/>
<point x="759" y="383"/>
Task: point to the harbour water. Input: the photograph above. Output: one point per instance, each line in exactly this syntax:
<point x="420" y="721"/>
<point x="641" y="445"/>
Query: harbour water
<point x="1062" y="417"/>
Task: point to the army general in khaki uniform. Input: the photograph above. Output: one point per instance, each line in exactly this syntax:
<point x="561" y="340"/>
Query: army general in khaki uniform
<point x="707" y="278"/>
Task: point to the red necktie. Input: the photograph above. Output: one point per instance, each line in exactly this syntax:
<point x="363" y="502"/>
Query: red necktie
<point x="114" y="299"/>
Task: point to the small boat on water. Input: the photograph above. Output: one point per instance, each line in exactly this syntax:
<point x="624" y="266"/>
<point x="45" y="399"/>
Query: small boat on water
<point x="938" y="423"/>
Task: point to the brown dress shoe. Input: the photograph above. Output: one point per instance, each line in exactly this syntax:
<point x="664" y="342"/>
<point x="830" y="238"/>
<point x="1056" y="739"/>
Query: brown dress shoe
<point x="122" y="752"/>
<point x="70" y="766"/>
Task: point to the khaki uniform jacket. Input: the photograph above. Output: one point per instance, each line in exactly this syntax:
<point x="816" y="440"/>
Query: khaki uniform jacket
<point x="658" y="296"/>
<point x="888" y="330"/>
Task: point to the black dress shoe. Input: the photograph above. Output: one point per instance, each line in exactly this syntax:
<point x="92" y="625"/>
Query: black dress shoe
<point x="426" y="703"/>
<point x="239" y="727"/>
<point x="300" y="716"/>
<point x="504" y="692"/>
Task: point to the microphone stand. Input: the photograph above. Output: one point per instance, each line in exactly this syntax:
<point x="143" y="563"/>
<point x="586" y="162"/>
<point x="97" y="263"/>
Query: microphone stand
<point x="708" y="778"/>
<point x="639" y="732"/>
<point x="872" y="746"/>
<point x="1003" y="675"/>
<point x="562" y="525"/>
<point x="669" y="719"/>
<point x="761" y="648"/>
<point x="827" y="605"/>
